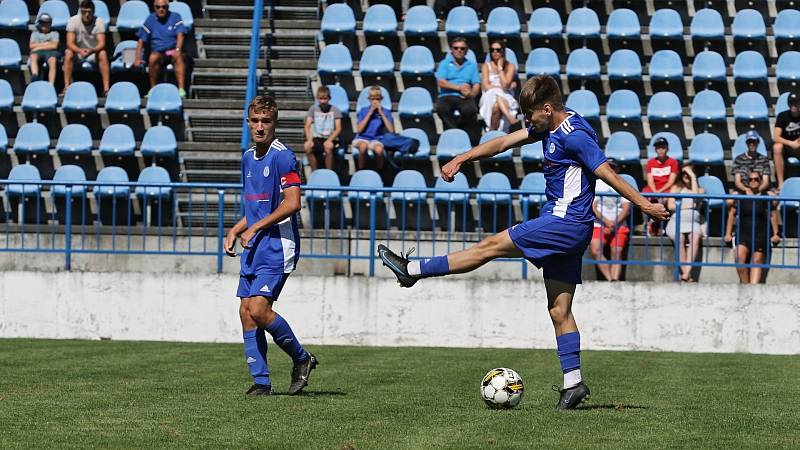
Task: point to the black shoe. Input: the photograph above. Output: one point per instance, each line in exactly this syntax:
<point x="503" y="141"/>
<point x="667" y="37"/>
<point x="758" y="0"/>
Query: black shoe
<point x="572" y="397"/>
<point x="260" y="389"/>
<point x="300" y="373"/>
<point x="397" y="264"/>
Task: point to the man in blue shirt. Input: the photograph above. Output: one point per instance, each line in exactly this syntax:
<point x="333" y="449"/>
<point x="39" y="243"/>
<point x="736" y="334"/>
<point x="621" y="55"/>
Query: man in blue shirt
<point x="165" y="32"/>
<point x="459" y="83"/>
<point x="269" y="235"/>
<point x="558" y="238"/>
<point x="373" y="122"/>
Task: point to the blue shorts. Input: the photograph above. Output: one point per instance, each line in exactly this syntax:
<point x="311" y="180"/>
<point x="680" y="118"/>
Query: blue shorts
<point x="554" y="244"/>
<point x="265" y="285"/>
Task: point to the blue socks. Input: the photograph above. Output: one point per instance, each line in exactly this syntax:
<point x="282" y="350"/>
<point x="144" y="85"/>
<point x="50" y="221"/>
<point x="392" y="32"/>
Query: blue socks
<point x="255" y="354"/>
<point x="282" y="334"/>
<point x="569" y="351"/>
<point x="434" y="267"/>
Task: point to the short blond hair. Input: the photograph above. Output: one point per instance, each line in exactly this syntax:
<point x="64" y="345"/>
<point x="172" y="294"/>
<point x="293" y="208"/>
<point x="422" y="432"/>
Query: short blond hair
<point x="263" y="104"/>
<point x="538" y="91"/>
<point x="375" y="89"/>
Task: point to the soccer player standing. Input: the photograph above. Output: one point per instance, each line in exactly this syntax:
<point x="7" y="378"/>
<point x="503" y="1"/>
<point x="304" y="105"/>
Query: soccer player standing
<point x="271" y="242"/>
<point x="558" y="238"/>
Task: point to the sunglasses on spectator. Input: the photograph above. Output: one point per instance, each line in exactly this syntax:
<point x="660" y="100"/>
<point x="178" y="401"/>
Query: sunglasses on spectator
<point x="460" y="49"/>
<point x="497" y="49"/>
<point x="375" y="98"/>
<point x="161" y="6"/>
<point x="754" y="179"/>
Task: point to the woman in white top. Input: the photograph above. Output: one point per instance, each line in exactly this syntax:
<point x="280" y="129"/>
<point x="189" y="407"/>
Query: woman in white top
<point x="498" y="107"/>
<point x="692" y="222"/>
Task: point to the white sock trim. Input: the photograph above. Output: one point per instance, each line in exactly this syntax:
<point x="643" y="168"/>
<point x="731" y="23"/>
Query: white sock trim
<point x="572" y="378"/>
<point x="413" y="268"/>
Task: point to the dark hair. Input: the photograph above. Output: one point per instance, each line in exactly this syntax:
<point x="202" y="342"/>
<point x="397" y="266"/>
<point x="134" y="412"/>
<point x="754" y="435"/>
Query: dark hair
<point x="539" y="90"/>
<point x="87" y="4"/>
<point x="459" y="39"/>
<point x="499" y="42"/>
<point x="263" y="104"/>
<point x="323" y="90"/>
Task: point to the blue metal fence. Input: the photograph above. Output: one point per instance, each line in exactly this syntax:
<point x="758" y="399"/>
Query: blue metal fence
<point x="346" y="223"/>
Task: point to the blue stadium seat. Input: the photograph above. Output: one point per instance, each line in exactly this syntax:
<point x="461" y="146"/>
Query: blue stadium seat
<point x="787" y="72"/>
<point x="708" y="114"/>
<point x="666" y="31"/>
<point x="324" y="206"/>
<point x="335" y="66"/>
<point x="623" y="147"/>
<point x="118" y="63"/>
<point x="185" y="12"/>
<point x="451" y="143"/>
<point x="503" y="23"/>
<point x="740" y="146"/>
<point x="542" y="61"/>
<point x="707" y="31"/>
<point x="117" y="149"/>
<point x="502" y="162"/>
<point x="706" y="154"/>
<point x="750" y="72"/>
<point x="790" y="189"/>
<point x="377" y="67"/>
<point x="339" y="26"/>
<point x="623" y="30"/>
<point x="411" y="209"/>
<point x="544" y="30"/>
<point x="585" y="103"/>
<point x="158" y="200"/>
<point x="131" y="16"/>
<point x="363" y="99"/>
<point x="30" y="195"/>
<point x="80" y="106"/>
<point x="10" y="55"/>
<point x="14" y="15"/>
<point x="101" y="11"/>
<point x="424" y="151"/>
<point x="666" y="72"/>
<point x="625" y="71"/>
<point x="782" y="104"/>
<point x="32" y="145"/>
<point x="713" y="187"/>
<point x="39" y="104"/>
<point x="416" y="111"/>
<point x="750" y="112"/>
<point x="339" y="98"/>
<point x="160" y="148"/>
<point x="75" y="147"/>
<point x="583" y="70"/>
<point x="165" y="107"/>
<point x="8" y="118"/>
<point x="380" y="27"/>
<point x="675" y="147"/>
<point x="533" y="182"/>
<point x="463" y="21"/>
<point x="421" y="28"/>
<point x="583" y="29"/>
<point x="665" y="114"/>
<point x="496" y="211"/>
<point x="58" y="10"/>
<point x="748" y="31"/>
<point x="624" y="112"/>
<point x="5" y="159"/>
<point x="79" y="205"/>
<point x="785" y="30"/>
<point x="123" y="105"/>
<point x="417" y="68"/>
<point x="360" y="201"/>
<point x="113" y="202"/>
<point x="709" y="72"/>
<point x="532" y="156"/>
<point x="452" y="208"/>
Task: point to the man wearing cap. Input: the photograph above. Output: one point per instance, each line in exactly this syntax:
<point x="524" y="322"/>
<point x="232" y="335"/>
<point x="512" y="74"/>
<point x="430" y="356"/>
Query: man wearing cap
<point x="164" y="31"/>
<point x="44" y="47"/>
<point x="786" y="136"/>
<point x="86" y="41"/>
<point x="661" y="173"/>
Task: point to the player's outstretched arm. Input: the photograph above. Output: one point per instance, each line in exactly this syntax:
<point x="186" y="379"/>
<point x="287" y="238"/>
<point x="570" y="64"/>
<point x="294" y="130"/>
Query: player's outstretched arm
<point x="289" y="206"/>
<point x="485" y="150"/>
<point x="654" y="210"/>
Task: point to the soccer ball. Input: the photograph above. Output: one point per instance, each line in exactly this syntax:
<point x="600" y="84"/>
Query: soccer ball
<point x="502" y="388"/>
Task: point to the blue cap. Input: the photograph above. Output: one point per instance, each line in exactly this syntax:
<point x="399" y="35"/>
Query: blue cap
<point x="752" y="135"/>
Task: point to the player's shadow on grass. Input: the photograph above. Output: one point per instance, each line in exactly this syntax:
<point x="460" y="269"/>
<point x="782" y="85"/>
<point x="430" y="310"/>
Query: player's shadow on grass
<point x="617" y="407"/>
<point x="307" y="393"/>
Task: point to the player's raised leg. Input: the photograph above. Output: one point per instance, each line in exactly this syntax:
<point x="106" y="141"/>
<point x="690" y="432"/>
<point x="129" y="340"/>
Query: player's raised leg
<point x="408" y="272"/>
<point x="568" y="339"/>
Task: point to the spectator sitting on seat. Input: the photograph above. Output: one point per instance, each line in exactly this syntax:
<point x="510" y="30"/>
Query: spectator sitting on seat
<point x="743" y="165"/>
<point x="753" y="225"/>
<point x="86" y="41"/>
<point x="786" y="136"/>
<point x="661" y="173"/>
<point x="692" y="222"/>
<point x="323" y="125"/>
<point x="610" y="211"/>
<point x="373" y="121"/>
<point x="498" y="107"/>
<point x="165" y="32"/>
<point x="459" y="84"/>
<point x="44" y="48"/>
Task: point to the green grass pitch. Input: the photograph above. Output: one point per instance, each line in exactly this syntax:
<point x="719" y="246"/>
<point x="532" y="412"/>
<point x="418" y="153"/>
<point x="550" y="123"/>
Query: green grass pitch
<point x="58" y="394"/>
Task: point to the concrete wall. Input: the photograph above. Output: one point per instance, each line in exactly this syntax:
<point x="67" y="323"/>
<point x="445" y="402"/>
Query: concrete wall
<point x="457" y="311"/>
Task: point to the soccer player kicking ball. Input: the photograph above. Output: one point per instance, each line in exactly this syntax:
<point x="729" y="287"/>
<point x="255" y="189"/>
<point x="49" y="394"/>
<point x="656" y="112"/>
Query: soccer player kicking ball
<point x="555" y="241"/>
<point x="271" y="243"/>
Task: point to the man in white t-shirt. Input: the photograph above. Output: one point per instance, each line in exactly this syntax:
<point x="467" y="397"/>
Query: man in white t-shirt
<point x="610" y="229"/>
<point x="86" y="41"/>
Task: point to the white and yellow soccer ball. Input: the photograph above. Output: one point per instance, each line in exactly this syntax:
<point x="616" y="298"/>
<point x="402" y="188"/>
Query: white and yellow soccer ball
<point x="502" y="388"/>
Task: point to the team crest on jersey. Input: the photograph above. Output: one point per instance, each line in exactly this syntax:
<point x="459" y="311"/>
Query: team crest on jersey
<point x="266" y="172"/>
<point x="552" y="147"/>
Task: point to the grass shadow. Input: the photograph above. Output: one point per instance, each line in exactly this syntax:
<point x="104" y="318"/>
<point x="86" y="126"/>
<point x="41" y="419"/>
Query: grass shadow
<point x="307" y="393"/>
<point x="616" y="407"/>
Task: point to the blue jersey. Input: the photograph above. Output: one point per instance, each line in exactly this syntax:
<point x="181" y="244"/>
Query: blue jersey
<point x="162" y="35"/>
<point x="275" y="249"/>
<point x="571" y="154"/>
